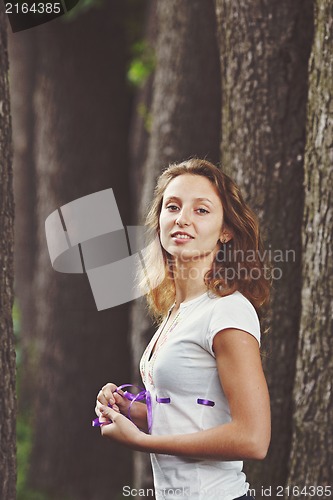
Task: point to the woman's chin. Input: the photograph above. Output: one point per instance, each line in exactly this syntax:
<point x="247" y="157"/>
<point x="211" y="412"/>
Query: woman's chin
<point x="186" y="256"/>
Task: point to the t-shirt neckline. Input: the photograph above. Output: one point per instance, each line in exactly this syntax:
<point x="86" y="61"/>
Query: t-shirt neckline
<point x="193" y="301"/>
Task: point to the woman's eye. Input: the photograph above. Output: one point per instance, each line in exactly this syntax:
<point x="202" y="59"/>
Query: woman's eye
<point x="175" y="208"/>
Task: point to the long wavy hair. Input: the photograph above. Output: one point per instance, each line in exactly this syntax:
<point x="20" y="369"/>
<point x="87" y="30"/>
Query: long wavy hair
<point x="239" y="264"/>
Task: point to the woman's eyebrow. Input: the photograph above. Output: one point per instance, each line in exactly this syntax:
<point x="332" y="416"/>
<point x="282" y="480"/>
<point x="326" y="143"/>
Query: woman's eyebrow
<point x="204" y="199"/>
<point x="175" y="198"/>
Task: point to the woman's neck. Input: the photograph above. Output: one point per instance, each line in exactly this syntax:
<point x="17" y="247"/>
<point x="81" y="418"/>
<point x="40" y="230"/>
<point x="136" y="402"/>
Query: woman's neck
<point x="189" y="282"/>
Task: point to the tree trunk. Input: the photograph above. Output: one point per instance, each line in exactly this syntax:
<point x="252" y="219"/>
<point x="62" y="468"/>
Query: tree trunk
<point x="185" y="114"/>
<point x="264" y="50"/>
<point x="185" y="122"/>
<point x="311" y="459"/>
<point x="22" y="80"/>
<point x="81" y="127"/>
<point x="141" y="114"/>
<point x="7" y="343"/>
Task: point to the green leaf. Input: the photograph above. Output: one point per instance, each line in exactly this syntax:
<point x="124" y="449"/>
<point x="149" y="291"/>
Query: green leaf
<point x="142" y="63"/>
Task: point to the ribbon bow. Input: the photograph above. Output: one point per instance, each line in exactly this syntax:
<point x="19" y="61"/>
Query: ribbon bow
<point x="142" y="394"/>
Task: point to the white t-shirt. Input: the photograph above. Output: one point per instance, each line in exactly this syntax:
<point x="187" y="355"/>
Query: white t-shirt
<point x="181" y="371"/>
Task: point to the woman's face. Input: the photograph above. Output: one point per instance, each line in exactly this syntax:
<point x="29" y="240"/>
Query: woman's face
<point x="191" y="218"/>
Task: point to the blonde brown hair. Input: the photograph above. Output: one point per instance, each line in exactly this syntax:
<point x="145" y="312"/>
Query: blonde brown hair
<point x="253" y="279"/>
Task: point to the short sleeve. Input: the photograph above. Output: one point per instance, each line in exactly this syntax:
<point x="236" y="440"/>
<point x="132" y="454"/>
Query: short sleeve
<point x="233" y="311"/>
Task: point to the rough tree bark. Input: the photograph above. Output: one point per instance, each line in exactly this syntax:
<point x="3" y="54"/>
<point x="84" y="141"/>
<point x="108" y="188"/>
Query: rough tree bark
<point x="22" y="80"/>
<point x="185" y="122"/>
<point x="141" y="114"/>
<point x="185" y="114"/>
<point x="264" y="50"/>
<point x="311" y="459"/>
<point x="81" y="107"/>
<point x="7" y="343"/>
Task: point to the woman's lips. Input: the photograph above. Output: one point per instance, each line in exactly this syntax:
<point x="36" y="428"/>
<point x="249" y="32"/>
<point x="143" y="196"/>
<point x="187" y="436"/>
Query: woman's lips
<point x="181" y="237"/>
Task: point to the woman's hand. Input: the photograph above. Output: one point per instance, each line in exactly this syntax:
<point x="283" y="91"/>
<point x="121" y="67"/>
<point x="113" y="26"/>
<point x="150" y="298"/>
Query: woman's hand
<point x="108" y="396"/>
<point x="121" y="429"/>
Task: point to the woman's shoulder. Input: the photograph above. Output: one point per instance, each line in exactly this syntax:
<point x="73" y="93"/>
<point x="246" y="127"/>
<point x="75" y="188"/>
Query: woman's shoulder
<point x="212" y="313"/>
<point x="234" y="299"/>
<point x="234" y="311"/>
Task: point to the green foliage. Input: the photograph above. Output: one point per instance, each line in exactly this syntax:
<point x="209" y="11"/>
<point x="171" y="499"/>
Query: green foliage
<point x="23" y="424"/>
<point x="146" y="116"/>
<point x="142" y="63"/>
<point x="23" y="446"/>
<point x="23" y="434"/>
<point x="81" y="8"/>
<point x="135" y="20"/>
<point x="24" y="443"/>
<point x="16" y="316"/>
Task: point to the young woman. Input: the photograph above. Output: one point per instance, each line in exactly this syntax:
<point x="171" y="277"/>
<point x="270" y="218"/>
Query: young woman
<point x="208" y="403"/>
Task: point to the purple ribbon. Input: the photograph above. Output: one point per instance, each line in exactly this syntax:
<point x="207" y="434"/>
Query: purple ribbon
<point x="163" y="400"/>
<point x="97" y="423"/>
<point x="142" y="394"/>
<point x="206" y="402"/>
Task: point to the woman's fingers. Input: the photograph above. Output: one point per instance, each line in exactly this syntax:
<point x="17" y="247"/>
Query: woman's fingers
<point x="102" y="398"/>
<point x="108" y="397"/>
<point x="99" y="405"/>
<point x="105" y="395"/>
<point x="109" y="389"/>
<point x="118" y="399"/>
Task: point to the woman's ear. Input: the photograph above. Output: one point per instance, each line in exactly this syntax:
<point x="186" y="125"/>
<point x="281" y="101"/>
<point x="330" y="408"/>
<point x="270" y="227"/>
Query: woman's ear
<point x="225" y="237"/>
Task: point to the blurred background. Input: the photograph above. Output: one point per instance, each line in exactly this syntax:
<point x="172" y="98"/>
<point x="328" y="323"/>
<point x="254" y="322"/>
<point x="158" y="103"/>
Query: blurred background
<point x="107" y="96"/>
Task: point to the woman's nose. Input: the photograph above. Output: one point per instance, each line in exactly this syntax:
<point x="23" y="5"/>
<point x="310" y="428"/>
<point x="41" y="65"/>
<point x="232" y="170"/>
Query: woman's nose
<point x="183" y="219"/>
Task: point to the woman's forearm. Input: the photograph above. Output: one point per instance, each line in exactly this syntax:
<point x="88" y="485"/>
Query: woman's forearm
<point x="225" y="442"/>
<point x="139" y="415"/>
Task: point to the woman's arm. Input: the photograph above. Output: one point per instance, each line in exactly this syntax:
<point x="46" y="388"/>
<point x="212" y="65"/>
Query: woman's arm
<point x="246" y="436"/>
<point x="139" y="415"/>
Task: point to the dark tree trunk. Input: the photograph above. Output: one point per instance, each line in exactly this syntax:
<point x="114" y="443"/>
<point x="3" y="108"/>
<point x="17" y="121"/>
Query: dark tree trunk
<point x="311" y="459"/>
<point x="7" y="343"/>
<point x="81" y="106"/>
<point x="141" y="113"/>
<point x="22" y="80"/>
<point x="185" y="122"/>
<point x="185" y="109"/>
<point x="264" y="48"/>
